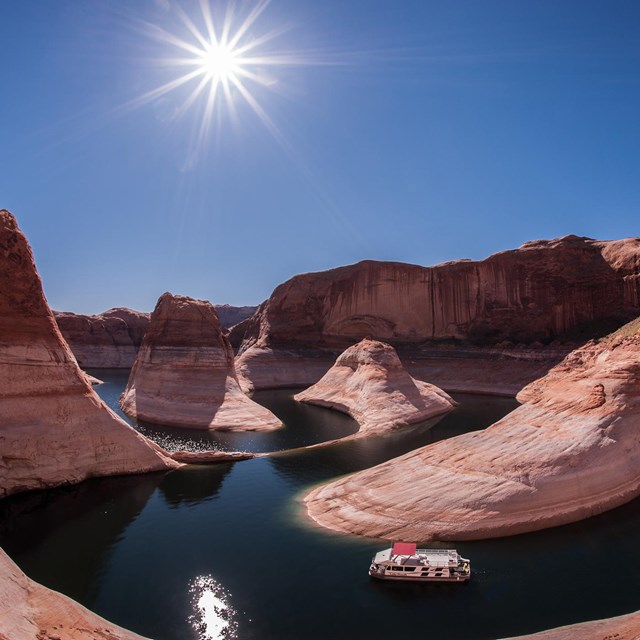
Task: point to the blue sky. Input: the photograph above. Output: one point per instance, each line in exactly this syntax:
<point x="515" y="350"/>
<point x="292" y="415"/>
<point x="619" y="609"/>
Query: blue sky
<point x="432" y="131"/>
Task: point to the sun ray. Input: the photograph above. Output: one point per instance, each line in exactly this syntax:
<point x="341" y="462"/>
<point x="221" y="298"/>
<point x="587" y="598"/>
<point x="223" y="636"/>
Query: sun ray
<point x="160" y="34"/>
<point x="226" y="24"/>
<point x="186" y="20"/>
<point x="208" y="112"/>
<point x="249" y="20"/>
<point x="164" y="89"/>
<point x="193" y="96"/>
<point x="225" y="58"/>
<point x="263" y="39"/>
<point x="260" y="112"/>
<point x="208" y="21"/>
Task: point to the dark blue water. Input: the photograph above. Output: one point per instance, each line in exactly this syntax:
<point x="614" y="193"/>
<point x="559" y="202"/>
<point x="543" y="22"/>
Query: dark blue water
<point x="143" y="550"/>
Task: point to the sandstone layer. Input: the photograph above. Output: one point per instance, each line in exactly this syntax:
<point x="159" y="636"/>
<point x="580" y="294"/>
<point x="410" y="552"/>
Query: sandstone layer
<point x="501" y="371"/>
<point x="369" y="383"/>
<point x="618" y="628"/>
<point x="570" y="451"/>
<point x="184" y="375"/>
<point x="55" y="430"/>
<point x="108" y="340"/>
<point x="565" y="289"/>
<point x="112" y="339"/>
<point x="30" y="611"/>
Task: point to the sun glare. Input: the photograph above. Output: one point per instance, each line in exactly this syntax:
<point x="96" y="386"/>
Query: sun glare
<point x="220" y="63"/>
<point x="223" y="60"/>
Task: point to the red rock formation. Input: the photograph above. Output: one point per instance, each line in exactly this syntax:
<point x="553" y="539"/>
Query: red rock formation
<point x="369" y="383"/>
<point x="540" y="291"/>
<point x="230" y="315"/>
<point x="30" y="611"/>
<point x="185" y="376"/>
<point x="618" y="628"/>
<point x="55" y="430"/>
<point x="108" y="340"/>
<point x="111" y="340"/>
<point x="571" y="451"/>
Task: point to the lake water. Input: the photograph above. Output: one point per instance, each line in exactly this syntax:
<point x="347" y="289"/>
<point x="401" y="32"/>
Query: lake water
<point x="226" y="552"/>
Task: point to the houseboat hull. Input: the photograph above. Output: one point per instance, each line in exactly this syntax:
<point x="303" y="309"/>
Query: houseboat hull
<point x="378" y="576"/>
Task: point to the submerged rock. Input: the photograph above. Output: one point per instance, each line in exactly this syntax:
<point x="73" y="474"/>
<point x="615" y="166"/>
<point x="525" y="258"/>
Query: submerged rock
<point x="30" y="611"/>
<point x="185" y="376"/>
<point x="572" y="450"/>
<point x="55" y="430"/>
<point x="369" y="383"/>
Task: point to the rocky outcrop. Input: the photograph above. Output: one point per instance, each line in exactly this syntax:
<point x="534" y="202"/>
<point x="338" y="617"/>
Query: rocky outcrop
<point x="570" y="288"/>
<point x="184" y="375"/>
<point x="230" y="315"/>
<point x="108" y="340"/>
<point x="266" y="368"/>
<point x="111" y="340"/>
<point x="369" y="383"/>
<point x="464" y="368"/>
<point x="28" y="610"/>
<point x="618" y="628"/>
<point x="55" y="430"/>
<point x="570" y="451"/>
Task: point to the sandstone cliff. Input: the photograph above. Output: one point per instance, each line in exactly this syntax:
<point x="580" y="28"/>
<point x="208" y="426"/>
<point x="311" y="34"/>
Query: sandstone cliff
<point x="542" y="290"/>
<point x="30" y="611"/>
<point x="570" y="451"/>
<point x="570" y="288"/>
<point x="618" y="628"/>
<point x="230" y="315"/>
<point x="369" y="383"/>
<point x="111" y="340"/>
<point x="108" y="340"/>
<point x="55" y="430"/>
<point x="185" y="376"/>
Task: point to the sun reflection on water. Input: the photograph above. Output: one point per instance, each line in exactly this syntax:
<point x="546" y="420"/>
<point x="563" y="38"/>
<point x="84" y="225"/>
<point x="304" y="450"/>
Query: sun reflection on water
<point x="214" y="618"/>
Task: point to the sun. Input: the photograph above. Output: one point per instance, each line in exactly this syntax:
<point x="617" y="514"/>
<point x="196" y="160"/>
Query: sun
<point x="223" y="59"/>
<point x="220" y="63"/>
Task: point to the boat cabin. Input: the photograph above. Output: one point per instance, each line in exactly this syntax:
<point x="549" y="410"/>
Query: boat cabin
<point x="404" y="561"/>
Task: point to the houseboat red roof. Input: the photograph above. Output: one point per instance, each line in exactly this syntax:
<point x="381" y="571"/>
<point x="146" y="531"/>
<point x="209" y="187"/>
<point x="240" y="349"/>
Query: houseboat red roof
<point x="403" y="548"/>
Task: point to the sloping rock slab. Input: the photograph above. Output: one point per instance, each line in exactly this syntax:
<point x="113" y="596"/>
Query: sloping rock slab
<point x="29" y="611"/>
<point x="55" y="430"/>
<point x="571" y="451"/>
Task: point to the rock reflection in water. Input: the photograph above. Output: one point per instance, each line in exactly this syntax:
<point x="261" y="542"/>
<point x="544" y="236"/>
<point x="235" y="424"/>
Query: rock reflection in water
<point x="317" y="464"/>
<point x="213" y="617"/>
<point x="193" y="485"/>
<point x="45" y="532"/>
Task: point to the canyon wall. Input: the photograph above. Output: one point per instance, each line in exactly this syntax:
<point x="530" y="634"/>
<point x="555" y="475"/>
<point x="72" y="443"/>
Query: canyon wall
<point x="552" y="293"/>
<point x="229" y="315"/>
<point x="541" y="291"/>
<point x="108" y="340"/>
<point x="572" y="450"/>
<point x="55" y="430"/>
<point x="185" y="376"/>
<point x="29" y="611"/>
<point x="111" y="340"/>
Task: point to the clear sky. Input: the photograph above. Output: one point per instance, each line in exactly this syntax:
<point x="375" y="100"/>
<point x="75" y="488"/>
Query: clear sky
<point x="416" y="131"/>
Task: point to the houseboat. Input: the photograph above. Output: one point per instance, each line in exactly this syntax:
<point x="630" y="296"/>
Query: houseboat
<point x="404" y="561"/>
